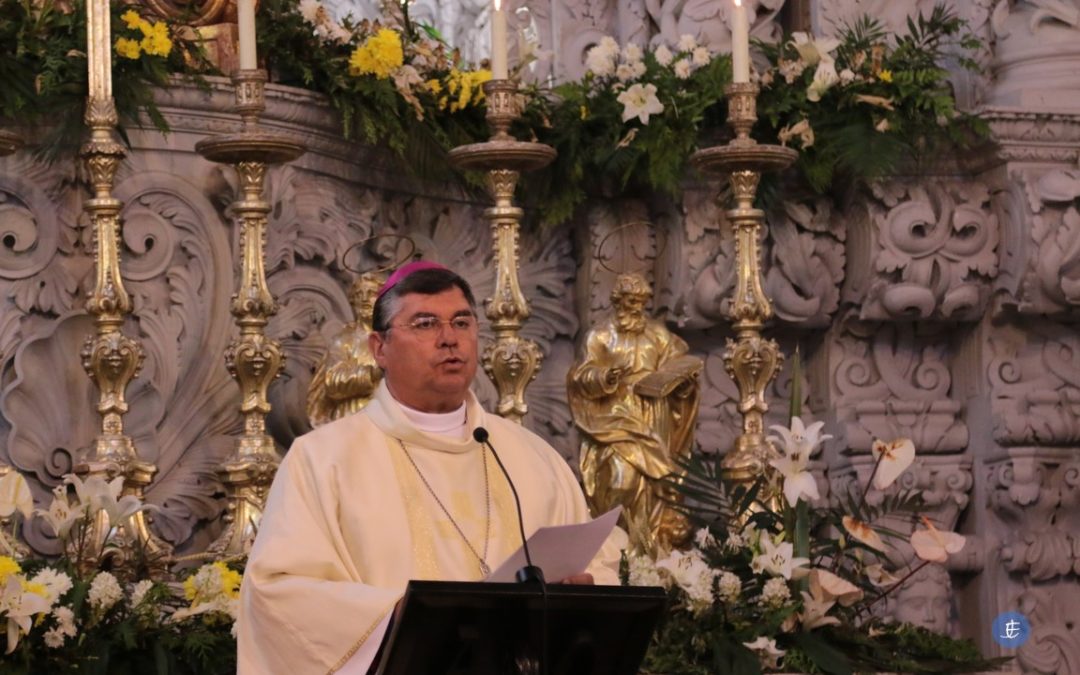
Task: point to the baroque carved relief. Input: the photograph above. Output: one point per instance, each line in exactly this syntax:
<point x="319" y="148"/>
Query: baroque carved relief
<point x="1035" y="494"/>
<point x="928" y="250"/>
<point x="891" y="381"/>
<point x="1034" y="378"/>
<point x="803" y="263"/>
<point x="1044" y="265"/>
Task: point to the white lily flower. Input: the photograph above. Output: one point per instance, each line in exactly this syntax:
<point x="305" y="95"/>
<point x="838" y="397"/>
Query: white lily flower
<point x="20" y="607"/>
<point x="778" y="559"/>
<point x="798" y="482"/>
<point x="892" y="460"/>
<point x="824" y="78"/>
<point x="826" y="585"/>
<point x="933" y="545"/>
<point x="60" y="515"/>
<point x="812" y="51"/>
<point x="106" y="496"/>
<point x="815" y="612"/>
<point x="640" y="101"/>
<point x="863" y="532"/>
<point x="800" y="439"/>
<point x="766" y="651"/>
<point x="15" y="495"/>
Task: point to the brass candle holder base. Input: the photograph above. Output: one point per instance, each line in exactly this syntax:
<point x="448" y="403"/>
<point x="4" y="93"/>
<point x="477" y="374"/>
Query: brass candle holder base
<point x="253" y="359"/>
<point x="750" y="359"/>
<point x="511" y="361"/>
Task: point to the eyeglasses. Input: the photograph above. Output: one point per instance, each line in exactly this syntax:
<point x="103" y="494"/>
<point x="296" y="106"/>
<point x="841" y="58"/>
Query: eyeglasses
<point x="429" y="325"/>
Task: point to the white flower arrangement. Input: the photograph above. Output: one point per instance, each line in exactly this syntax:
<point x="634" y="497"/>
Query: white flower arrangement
<point x="753" y="590"/>
<point x="58" y="614"/>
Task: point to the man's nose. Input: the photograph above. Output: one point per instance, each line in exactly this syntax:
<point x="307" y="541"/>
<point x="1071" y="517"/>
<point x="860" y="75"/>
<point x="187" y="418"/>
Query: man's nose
<point x="447" y="335"/>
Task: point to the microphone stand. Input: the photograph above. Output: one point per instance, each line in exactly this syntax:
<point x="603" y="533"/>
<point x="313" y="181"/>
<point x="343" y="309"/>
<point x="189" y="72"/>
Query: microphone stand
<point x="530" y="573"/>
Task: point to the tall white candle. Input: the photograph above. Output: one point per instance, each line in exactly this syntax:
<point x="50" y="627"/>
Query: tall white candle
<point x="245" y="12"/>
<point x="499" y="69"/>
<point x="740" y="43"/>
<point x="99" y="49"/>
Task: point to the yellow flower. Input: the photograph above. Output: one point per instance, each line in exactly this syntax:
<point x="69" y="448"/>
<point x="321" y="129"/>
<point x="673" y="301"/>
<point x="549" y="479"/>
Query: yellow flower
<point x="230" y="581"/>
<point x="131" y="18"/>
<point x="380" y="55"/>
<point x="584" y="112"/>
<point x="8" y="566"/>
<point x="157" y="41"/>
<point x="434" y="86"/>
<point x="885" y="75"/>
<point x="129" y="49"/>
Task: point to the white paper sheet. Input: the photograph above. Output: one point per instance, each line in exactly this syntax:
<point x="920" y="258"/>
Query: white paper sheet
<point x="561" y="551"/>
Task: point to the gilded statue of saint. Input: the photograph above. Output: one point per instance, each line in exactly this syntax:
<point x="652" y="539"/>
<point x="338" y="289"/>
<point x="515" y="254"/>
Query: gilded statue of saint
<point x="347" y="375"/>
<point x="634" y="396"/>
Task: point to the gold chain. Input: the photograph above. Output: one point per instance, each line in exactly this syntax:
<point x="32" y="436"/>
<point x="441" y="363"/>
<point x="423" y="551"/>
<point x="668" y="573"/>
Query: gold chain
<point x="482" y="559"/>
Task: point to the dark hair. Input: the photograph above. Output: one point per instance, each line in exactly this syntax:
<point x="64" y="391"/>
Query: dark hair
<point x="424" y="282"/>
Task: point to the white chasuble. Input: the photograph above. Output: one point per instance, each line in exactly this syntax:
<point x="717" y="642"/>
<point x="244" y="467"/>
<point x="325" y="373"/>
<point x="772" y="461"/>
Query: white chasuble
<point x="354" y="514"/>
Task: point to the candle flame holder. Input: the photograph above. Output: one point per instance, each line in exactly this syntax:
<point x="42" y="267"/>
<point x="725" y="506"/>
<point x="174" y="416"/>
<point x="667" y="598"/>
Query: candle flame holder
<point x="253" y="359"/>
<point x="511" y="361"/>
<point x="750" y="359"/>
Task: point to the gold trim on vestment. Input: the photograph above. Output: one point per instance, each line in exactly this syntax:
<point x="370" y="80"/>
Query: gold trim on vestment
<point x="363" y="638"/>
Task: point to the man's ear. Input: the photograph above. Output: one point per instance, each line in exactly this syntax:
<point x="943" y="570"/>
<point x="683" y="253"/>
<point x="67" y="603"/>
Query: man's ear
<point x="376" y="341"/>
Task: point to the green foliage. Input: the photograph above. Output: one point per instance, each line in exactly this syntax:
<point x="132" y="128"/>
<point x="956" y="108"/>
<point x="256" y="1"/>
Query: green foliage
<point x="43" y="70"/>
<point x="891" y="108"/>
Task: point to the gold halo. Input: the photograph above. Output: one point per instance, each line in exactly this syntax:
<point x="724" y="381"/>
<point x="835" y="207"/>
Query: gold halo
<point x="624" y="226"/>
<point x="393" y="265"/>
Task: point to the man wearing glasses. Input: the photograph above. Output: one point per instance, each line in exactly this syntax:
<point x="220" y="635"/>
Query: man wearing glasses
<point x="398" y="491"/>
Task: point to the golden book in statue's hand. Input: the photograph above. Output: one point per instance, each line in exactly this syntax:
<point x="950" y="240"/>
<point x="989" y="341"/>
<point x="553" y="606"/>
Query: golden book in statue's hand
<point x="669" y="377"/>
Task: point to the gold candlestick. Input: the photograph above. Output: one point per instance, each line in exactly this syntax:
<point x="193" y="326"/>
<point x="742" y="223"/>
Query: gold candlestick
<point x="751" y="360"/>
<point x="512" y="361"/>
<point x="110" y="358"/>
<point x="253" y="359"/>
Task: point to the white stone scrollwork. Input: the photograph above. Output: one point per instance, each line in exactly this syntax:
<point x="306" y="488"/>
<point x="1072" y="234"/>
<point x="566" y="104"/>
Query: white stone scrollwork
<point x="806" y="263"/>
<point x="1045" y="208"/>
<point x="1034" y="380"/>
<point x="1035" y="493"/>
<point x="893" y="381"/>
<point x="1054" y="612"/>
<point x="932" y="250"/>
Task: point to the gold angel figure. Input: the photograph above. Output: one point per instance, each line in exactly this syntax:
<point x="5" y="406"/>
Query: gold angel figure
<point x="347" y="375"/>
<point x="634" y="395"/>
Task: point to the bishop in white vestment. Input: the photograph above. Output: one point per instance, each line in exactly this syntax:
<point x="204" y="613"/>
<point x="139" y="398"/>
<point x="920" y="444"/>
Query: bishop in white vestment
<point x="364" y="504"/>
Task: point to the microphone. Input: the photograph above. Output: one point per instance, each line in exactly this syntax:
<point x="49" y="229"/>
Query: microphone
<point x="530" y="572"/>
